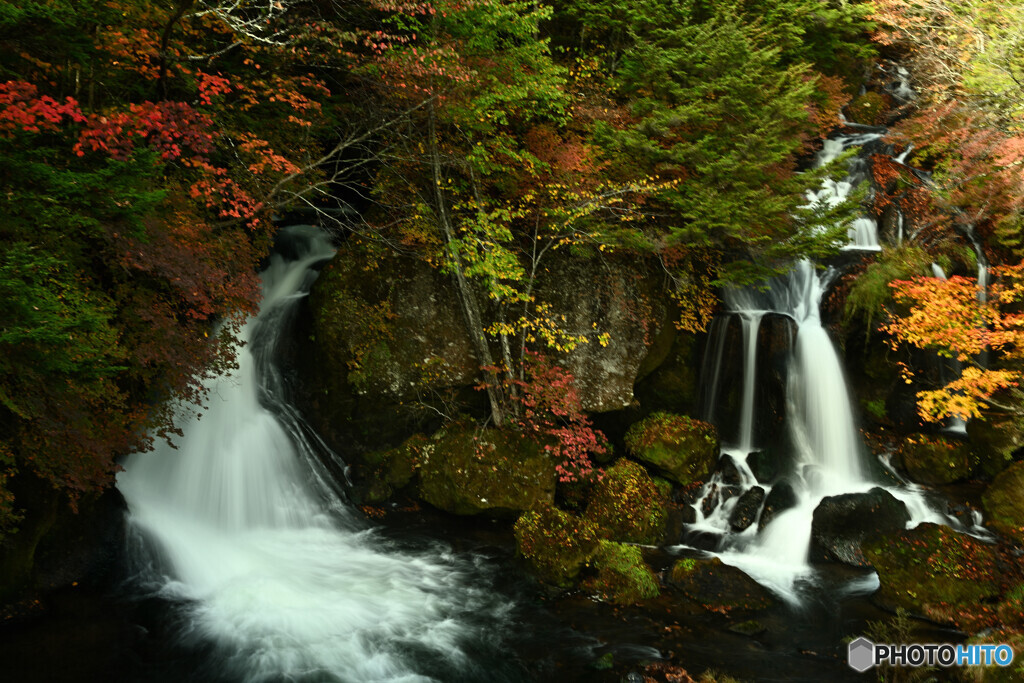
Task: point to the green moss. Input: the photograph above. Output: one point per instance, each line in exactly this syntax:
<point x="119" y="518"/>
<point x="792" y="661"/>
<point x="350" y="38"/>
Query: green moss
<point x="683" y="567"/>
<point x="718" y="586"/>
<point x="870" y="293"/>
<point x="1003" y="502"/>
<point x="356" y="331"/>
<point x="994" y="441"/>
<point x="933" y="571"/>
<point x="626" y="505"/>
<point x="870" y="108"/>
<point x="468" y="471"/>
<point x="935" y="459"/>
<point x="622" y="578"/>
<point x="683" y="448"/>
<point x="557" y="544"/>
<point x="392" y="470"/>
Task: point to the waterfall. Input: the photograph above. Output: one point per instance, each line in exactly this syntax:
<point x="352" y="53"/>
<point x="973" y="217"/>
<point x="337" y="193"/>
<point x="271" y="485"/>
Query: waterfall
<point x="266" y="562"/>
<point x="825" y="454"/>
<point x="863" y="232"/>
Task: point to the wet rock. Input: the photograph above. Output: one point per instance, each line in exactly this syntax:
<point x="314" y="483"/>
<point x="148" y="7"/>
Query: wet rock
<point x="764" y="465"/>
<point x="722" y="379"/>
<point x="627" y="506"/>
<point x="718" y="586"/>
<point x="604" y="662"/>
<point x="889" y="226"/>
<point x="749" y="628"/>
<point x="747" y="507"/>
<point x="717" y="495"/>
<point x="962" y="512"/>
<point x="935" y="459"/>
<point x="672" y="384"/>
<point x="842" y="523"/>
<point x="781" y="498"/>
<point x="933" y="571"/>
<point x="623" y="578"/>
<point x="776" y="337"/>
<point x="556" y="544"/>
<point x="683" y="448"/>
<point x="728" y="472"/>
<point x="467" y="472"/>
<point x="55" y="546"/>
<point x="1003" y="503"/>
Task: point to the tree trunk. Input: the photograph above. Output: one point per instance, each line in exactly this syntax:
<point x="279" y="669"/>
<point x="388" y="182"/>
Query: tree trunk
<point x="467" y="297"/>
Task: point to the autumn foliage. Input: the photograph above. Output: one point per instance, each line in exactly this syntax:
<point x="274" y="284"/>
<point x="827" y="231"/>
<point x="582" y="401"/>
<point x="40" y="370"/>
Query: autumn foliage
<point x="549" y="411"/>
<point x="956" y="320"/>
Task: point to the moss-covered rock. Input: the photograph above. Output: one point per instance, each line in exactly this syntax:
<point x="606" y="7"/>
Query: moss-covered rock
<point x="386" y="472"/>
<point x="622" y="578"/>
<point x="370" y="313"/>
<point x="1003" y="503"/>
<point x="628" y="506"/>
<point x="717" y="586"/>
<point x="842" y="523"/>
<point x="935" y="459"/>
<point x="557" y="544"/>
<point x="995" y="442"/>
<point x="685" y="449"/>
<point x="933" y="571"/>
<point x="467" y="471"/>
<point x="384" y="351"/>
<point x="871" y="108"/>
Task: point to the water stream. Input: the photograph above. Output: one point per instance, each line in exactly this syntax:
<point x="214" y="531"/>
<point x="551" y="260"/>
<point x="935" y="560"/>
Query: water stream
<point x="265" y="560"/>
<point x="823" y="449"/>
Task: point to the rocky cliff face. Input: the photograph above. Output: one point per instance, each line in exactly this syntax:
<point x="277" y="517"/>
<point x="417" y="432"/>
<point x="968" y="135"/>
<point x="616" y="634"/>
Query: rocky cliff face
<point x="390" y="354"/>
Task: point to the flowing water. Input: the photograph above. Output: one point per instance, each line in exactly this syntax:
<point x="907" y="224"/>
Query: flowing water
<point x="237" y="526"/>
<point x="824" y="452"/>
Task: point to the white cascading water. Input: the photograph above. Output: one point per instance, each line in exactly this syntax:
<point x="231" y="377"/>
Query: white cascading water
<point x="828" y="457"/>
<point x="267" y="563"/>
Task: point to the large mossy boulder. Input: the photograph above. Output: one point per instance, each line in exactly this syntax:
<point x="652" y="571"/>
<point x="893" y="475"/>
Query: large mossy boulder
<point x="935" y="459"/>
<point x="626" y="505"/>
<point x="557" y="544"/>
<point x="467" y="471"/>
<point x="842" y="523"/>
<point x="389" y="326"/>
<point x="383" y="351"/>
<point x="682" y="448"/>
<point x="622" y="578"/>
<point x="933" y="571"/>
<point x="717" y="586"/>
<point x="1003" y="503"/>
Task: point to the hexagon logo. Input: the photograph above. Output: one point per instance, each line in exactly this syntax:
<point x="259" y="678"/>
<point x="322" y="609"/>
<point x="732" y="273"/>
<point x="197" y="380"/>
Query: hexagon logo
<point x="861" y="655"/>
